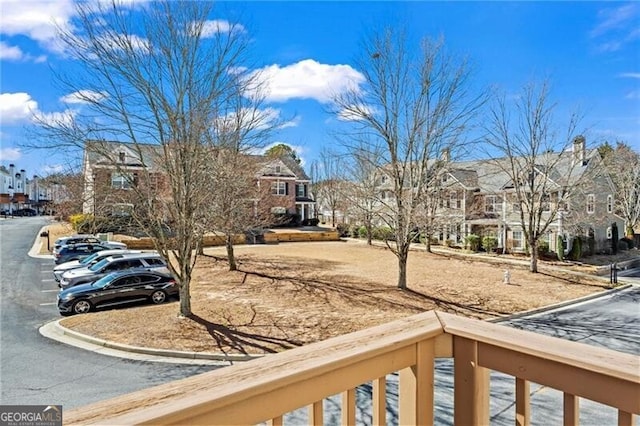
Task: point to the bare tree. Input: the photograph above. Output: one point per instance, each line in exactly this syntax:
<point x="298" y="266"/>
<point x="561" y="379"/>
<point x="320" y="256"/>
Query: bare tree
<point x="158" y="78"/>
<point x="413" y="104"/>
<point x="538" y="160"/>
<point x="363" y="190"/>
<point x="623" y="166"/>
<point x="329" y="184"/>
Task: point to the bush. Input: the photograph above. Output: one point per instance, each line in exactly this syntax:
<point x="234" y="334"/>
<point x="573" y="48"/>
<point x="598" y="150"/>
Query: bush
<point x="362" y="232"/>
<point x="383" y="233"/>
<point x="489" y="243"/>
<point x="79" y="221"/>
<point x="343" y="229"/>
<point x="630" y="243"/>
<point x="576" y="249"/>
<point x="472" y="242"/>
<point x="622" y="245"/>
<point x="543" y="247"/>
<point x="560" y="248"/>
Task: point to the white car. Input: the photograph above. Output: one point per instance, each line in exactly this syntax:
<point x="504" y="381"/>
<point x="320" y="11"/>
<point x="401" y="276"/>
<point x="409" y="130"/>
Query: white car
<point x="96" y="257"/>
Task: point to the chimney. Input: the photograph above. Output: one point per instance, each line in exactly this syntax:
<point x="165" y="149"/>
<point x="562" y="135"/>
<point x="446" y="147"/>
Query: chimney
<point x="12" y="174"/>
<point x="445" y="155"/>
<point x="579" y="150"/>
<point x="23" y="173"/>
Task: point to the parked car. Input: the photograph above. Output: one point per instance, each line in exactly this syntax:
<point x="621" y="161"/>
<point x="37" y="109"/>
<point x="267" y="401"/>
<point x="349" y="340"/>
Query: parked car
<point x="118" y="262"/>
<point x="118" y="288"/>
<point x="77" y="252"/>
<point x="25" y="212"/>
<point x="58" y="270"/>
<point x="85" y="238"/>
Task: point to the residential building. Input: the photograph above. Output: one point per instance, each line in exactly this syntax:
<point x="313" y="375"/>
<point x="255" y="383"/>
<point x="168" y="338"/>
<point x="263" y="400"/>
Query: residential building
<point x="480" y="197"/>
<point x="110" y="168"/>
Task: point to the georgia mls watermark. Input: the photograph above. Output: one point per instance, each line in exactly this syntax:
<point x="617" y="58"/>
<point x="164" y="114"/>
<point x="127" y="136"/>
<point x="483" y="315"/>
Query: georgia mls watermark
<point x="30" y="415"/>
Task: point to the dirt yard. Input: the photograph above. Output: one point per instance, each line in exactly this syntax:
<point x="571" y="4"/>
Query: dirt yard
<point x="295" y="293"/>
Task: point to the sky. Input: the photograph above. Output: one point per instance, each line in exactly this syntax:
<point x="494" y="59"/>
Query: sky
<point x="589" y="52"/>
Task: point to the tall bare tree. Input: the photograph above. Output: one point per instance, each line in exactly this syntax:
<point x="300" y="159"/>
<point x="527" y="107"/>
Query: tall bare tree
<point x="413" y="103"/>
<point x="329" y="184"/>
<point x="537" y="157"/>
<point x="623" y="166"/>
<point x="157" y="77"/>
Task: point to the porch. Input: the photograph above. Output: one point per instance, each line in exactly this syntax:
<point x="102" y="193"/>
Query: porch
<point x="268" y="388"/>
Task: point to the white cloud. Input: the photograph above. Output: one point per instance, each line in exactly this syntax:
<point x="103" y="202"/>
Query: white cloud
<point x="83" y="97"/>
<point x="36" y="19"/>
<point x="630" y="74"/>
<point x="10" y="154"/>
<point x="633" y="95"/>
<point x="308" y="79"/>
<point x="55" y="119"/>
<point x="53" y="168"/>
<point x="12" y="53"/>
<point x="211" y="28"/>
<point x="616" y="27"/>
<point x="16" y="107"/>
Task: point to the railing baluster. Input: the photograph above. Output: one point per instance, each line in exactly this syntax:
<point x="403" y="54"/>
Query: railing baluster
<point x="316" y="413"/>
<point x="523" y="406"/>
<point x="349" y="407"/>
<point x="276" y="421"/>
<point x="380" y="401"/>
<point x="571" y="410"/>
<point x="624" y="418"/>
<point x="471" y="385"/>
<point x="416" y="387"/>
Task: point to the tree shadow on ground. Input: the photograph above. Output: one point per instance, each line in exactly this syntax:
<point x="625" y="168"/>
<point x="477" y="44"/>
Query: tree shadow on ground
<point x="472" y="310"/>
<point x="228" y="339"/>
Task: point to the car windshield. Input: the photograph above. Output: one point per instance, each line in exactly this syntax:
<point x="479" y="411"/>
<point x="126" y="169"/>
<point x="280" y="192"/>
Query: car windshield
<point x="87" y="260"/>
<point x="97" y="266"/>
<point x="104" y="281"/>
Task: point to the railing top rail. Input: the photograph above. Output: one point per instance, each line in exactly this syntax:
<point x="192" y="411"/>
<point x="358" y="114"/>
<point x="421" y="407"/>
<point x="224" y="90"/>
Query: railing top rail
<point x="226" y="385"/>
<point x="605" y="361"/>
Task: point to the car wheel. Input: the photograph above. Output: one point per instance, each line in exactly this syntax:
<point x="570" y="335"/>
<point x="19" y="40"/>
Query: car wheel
<point x="158" y="297"/>
<point x="82" y="307"/>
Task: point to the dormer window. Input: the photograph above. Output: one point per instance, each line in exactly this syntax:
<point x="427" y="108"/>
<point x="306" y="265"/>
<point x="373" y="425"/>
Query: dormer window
<point x="277" y="169"/>
<point x="121" y="156"/>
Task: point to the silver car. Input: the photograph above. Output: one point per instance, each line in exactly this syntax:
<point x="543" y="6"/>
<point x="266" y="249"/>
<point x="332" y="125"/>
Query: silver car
<point x="84" y="238"/>
<point x="117" y="262"/>
<point x="96" y="257"/>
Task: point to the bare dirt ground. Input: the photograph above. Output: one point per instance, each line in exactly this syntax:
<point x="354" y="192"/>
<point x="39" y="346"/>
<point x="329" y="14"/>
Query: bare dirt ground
<point x="292" y="294"/>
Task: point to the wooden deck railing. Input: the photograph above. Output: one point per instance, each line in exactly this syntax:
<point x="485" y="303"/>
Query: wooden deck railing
<point x="268" y="388"/>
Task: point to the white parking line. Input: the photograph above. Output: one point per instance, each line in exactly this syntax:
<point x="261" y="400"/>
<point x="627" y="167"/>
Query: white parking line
<point x="49" y="291"/>
<point x="45" y="272"/>
<point x="48" y="304"/>
<point x="48" y="281"/>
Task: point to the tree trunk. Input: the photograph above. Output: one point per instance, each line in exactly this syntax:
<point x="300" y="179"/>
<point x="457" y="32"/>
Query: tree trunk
<point x="427" y="243"/>
<point x="200" y="250"/>
<point x="230" y="255"/>
<point x="185" y="299"/>
<point x="369" y="234"/>
<point x="402" y="270"/>
<point x="533" y="246"/>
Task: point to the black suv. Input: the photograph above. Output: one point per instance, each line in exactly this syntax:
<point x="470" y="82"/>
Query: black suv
<point x="77" y="252"/>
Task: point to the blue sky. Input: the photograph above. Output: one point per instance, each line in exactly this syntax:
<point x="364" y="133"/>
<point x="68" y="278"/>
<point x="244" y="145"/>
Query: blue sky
<point x="590" y="52"/>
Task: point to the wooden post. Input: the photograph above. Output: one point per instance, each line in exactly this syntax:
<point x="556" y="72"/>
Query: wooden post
<point x="571" y="410"/>
<point x="349" y="407"/>
<point x="471" y="385"/>
<point x="316" y="413"/>
<point x="380" y="401"/>
<point x="416" y="387"/>
<point x="523" y="407"/>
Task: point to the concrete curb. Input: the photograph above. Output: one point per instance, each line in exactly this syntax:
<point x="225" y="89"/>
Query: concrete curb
<point x="560" y="305"/>
<point x="169" y="353"/>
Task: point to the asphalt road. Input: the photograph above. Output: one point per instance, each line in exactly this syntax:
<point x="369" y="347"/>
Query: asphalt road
<point x="35" y="370"/>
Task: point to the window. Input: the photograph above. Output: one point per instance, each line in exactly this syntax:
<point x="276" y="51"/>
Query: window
<point x="517" y="240"/>
<point x="453" y="200"/>
<point x="516" y="207"/>
<point x="609" y="233"/>
<point x="122" y="209"/>
<point x="591" y="203"/>
<point x="491" y="204"/>
<point x="122" y="156"/>
<point x="300" y="190"/>
<point x="277" y="169"/>
<point x="120" y="181"/>
<point x="383" y="179"/>
<point x="279" y="188"/>
<point x="609" y="203"/>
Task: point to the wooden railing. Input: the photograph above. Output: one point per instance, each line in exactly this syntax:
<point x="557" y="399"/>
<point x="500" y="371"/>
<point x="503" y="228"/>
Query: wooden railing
<point x="268" y="388"/>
